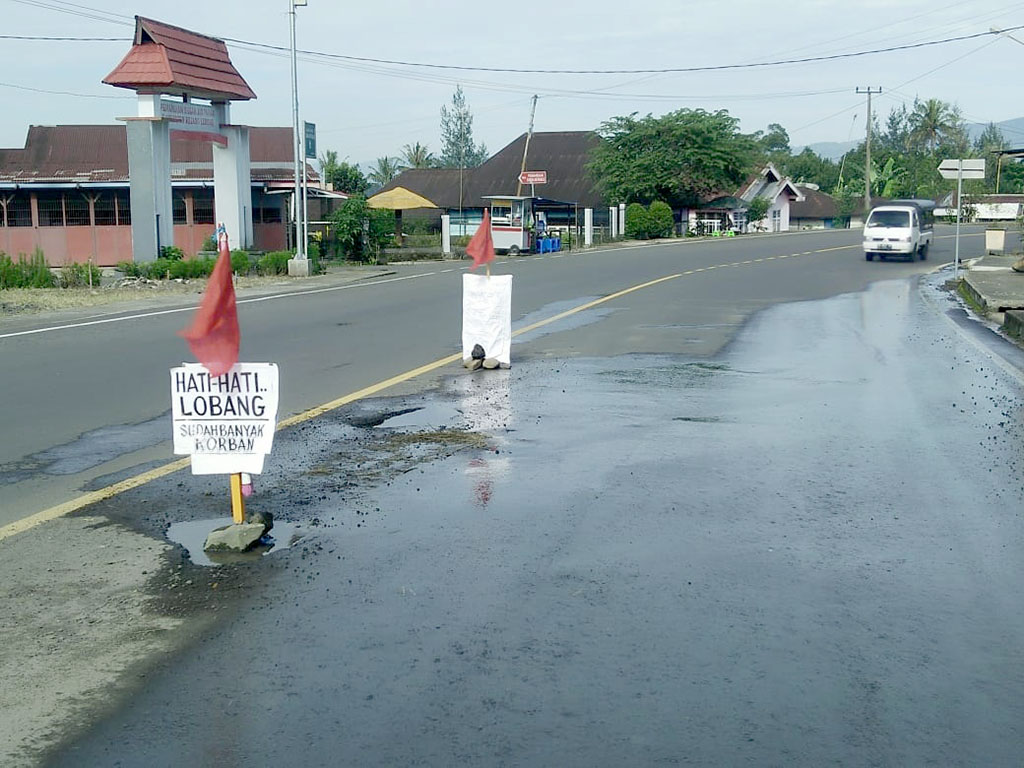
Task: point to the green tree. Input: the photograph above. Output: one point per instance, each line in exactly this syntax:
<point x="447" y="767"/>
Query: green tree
<point x="418" y="156"/>
<point x="681" y="157"/>
<point x="385" y="170"/>
<point x="358" y="231"/>
<point x="757" y="210"/>
<point x="933" y="122"/>
<point x="344" y="176"/>
<point x="808" y="167"/>
<point x="457" y="147"/>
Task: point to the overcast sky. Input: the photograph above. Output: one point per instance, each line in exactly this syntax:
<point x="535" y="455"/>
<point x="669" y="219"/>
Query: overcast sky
<point x="365" y="110"/>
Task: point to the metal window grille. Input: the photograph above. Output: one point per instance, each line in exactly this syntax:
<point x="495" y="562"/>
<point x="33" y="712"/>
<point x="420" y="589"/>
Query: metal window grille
<point x="178" y="210"/>
<point x="202" y="209"/>
<point x="123" y="207"/>
<point x="51" y="210"/>
<point x="19" y="210"/>
<point x="76" y="210"/>
<point x="105" y="212"/>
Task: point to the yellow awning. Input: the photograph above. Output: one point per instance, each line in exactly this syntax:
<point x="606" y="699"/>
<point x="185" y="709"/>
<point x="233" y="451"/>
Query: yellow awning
<point x="399" y="199"/>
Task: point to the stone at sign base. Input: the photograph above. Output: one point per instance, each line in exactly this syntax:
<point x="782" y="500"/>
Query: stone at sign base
<point x="240" y="537"/>
<point x="298" y="267"/>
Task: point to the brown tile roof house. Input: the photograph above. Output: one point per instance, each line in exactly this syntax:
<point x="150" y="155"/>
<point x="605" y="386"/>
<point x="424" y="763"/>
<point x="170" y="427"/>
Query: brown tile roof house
<point x="171" y="60"/>
<point x="563" y="154"/>
<point x="98" y="154"/>
<point x="816" y="206"/>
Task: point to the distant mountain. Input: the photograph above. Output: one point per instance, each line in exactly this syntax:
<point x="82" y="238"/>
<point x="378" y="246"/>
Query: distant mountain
<point x="1013" y="131"/>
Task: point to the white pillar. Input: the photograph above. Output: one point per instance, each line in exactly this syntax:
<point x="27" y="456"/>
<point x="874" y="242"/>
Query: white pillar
<point x="446" y="233"/>
<point x="232" y="186"/>
<point x="149" y="171"/>
<point x="622" y="218"/>
<point x="613" y="219"/>
<point x="588" y="227"/>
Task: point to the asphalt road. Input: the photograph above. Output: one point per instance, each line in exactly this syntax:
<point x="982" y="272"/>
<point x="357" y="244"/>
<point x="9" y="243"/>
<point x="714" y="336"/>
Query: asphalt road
<point x="88" y="404"/>
<point x="799" y="548"/>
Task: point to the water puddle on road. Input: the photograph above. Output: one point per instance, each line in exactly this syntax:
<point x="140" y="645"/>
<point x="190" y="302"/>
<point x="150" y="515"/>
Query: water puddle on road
<point x="192" y="535"/>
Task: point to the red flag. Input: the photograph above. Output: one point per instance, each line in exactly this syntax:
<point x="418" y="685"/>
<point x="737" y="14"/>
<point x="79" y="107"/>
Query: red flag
<point x="481" y="246"/>
<point x="213" y="336"/>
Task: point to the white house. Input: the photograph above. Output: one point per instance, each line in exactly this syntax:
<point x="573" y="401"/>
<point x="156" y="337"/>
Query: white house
<point x="729" y="212"/>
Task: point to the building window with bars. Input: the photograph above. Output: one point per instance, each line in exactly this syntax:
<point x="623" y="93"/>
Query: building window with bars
<point x="51" y="209"/>
<point x="178" y="210"/>
<point x="202" y="208"/>
<point x="19" y="211"/>
<point x="104" y="211"/>
<point x="76" y="210"/>
<point x="123" y="208"/>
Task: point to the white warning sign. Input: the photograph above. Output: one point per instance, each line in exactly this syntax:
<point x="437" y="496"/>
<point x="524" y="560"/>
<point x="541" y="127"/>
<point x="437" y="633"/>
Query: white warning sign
<point x="226" y="423"/>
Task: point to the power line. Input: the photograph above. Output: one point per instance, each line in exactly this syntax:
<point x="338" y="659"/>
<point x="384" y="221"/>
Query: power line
<point x="68" y="39"/>
<point x="664" y="70"/>
<point x="61" y="93"/>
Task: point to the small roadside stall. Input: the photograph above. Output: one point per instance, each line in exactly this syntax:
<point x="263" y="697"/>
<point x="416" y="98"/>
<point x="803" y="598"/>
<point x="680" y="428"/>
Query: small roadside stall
<point x="523" y="224"/>
<point x="512" y="223"/>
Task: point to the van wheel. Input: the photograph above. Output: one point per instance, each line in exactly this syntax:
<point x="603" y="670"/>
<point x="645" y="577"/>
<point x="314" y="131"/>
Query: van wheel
<point x="922" y="252"/>
<point x="513" y="251"/>
<point x="869" y="256"/>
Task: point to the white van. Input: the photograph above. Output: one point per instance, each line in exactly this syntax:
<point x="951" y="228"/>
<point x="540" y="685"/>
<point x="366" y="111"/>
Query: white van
<point x="900" y="228"/>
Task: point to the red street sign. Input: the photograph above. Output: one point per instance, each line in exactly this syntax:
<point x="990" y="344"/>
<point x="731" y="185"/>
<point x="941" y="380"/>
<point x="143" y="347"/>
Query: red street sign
<point x="533" y="177"/>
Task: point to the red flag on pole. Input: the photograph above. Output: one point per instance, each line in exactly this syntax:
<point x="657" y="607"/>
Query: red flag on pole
<point x="481" y="246"/>
<point x="214" y="336"/>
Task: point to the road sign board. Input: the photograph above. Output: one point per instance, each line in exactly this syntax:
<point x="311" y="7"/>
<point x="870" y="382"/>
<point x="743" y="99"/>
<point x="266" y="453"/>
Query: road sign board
<point x="533" y="177"/>
<point x="971" y="169"/>
<point x="310" y="140"/>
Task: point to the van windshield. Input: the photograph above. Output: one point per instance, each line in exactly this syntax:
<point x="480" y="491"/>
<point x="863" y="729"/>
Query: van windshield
<point x="889" y="219"/>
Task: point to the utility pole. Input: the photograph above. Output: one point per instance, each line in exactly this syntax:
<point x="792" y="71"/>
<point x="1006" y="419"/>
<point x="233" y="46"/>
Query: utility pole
<point x="867" y="151"/>
<point x="529" y="134"/>
<point x="297" y="146"/>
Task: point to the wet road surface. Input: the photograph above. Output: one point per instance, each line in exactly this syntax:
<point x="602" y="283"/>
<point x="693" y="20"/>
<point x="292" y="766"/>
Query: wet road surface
<point x="803" y="551"/>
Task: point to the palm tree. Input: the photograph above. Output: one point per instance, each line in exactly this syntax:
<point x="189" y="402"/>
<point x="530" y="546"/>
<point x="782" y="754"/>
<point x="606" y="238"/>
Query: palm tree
<point x="418" y="156"/>
<point x="386" y="170"/>
<point x="931" y="121"/>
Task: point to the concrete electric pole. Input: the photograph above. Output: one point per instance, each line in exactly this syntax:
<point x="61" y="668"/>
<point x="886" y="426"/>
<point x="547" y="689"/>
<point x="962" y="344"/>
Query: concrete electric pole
<point x="867" y="153"/>
<point x="300" y="266"/>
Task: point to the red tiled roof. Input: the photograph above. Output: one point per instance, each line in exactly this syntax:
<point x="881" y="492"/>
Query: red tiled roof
<point x="99" y="153"/>
<point x="172" y="60"/>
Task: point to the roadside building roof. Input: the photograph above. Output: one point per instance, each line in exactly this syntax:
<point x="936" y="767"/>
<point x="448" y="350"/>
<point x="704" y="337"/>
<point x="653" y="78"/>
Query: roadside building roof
<point x="563" y="154"/>
<point x="99" y="154"/>
<point x="769" y="183"/>
<point x="438" y="185"/>
<point x="815" y="205"/>
<point x="172" y="60"/>
<point x="399" y="199"/>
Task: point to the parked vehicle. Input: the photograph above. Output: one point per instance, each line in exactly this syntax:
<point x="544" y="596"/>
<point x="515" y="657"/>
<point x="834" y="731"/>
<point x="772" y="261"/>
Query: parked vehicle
<point x="900" y="228"/>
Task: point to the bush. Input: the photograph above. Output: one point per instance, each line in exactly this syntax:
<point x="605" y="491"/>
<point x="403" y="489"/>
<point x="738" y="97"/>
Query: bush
<point x="172" y="253"/>
<point x="210" y="243"/>
<point x="131" y="269"/>
<point x="31" y="272"/>
<point x="660" y="220"/>
<point x="240" y="264"/>
<point x="78" y="275"/>
<point x="637" y="222"/>
<point x="274" y="263"/>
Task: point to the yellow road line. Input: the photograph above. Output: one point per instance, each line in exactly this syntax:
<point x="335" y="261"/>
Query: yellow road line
<point x="66" y="508"/>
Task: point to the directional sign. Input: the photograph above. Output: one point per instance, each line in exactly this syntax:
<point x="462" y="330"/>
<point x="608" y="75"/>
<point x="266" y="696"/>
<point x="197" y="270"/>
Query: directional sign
<point x="533" y="177"/>
<point x="971" y="169"/>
